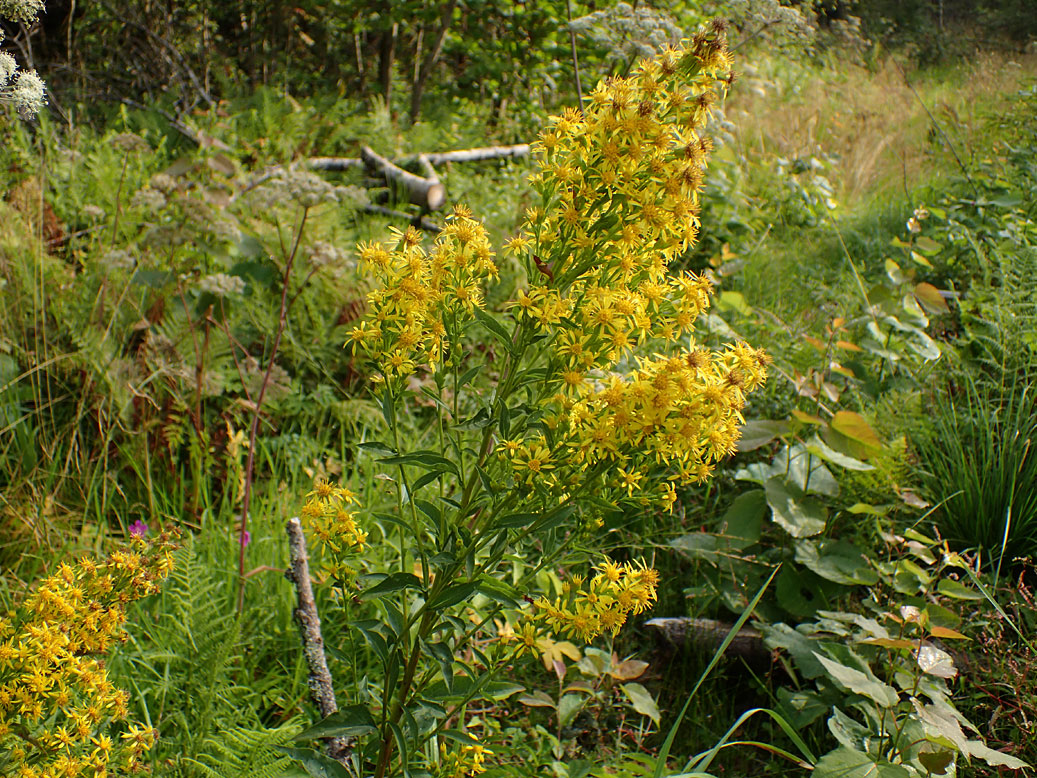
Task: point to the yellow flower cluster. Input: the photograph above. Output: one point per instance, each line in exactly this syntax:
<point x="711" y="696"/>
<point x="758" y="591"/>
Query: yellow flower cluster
<point x="586" y="609"/>
<point x="620" y="185"/>
<point x="327" y="513"/>
<point x="682" y="412"/>
<point x="423" y="300"/>
<point x="465" y="762"/>
<point x="56" y="701"/>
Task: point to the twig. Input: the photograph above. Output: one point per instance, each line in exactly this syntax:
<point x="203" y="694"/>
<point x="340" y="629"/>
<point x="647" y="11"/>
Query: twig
<point x="282" y="323"/>
<point x="197" y="137"/>
<point x="572" y="45"/>
<point x="321" y="686"/>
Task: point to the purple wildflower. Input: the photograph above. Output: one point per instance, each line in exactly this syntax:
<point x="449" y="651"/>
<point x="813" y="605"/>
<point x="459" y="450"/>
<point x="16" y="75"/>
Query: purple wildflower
<point x="138" y="529"/>
<point x="246" y="538"/>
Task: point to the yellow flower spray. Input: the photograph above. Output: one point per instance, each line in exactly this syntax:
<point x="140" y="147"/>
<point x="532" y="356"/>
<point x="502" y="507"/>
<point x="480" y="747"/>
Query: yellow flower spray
<point x="56" y="701"/>
<point x="598" y="397"/>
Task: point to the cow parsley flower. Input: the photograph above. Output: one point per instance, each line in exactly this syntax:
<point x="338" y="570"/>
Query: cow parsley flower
<point x="222" y="285"/>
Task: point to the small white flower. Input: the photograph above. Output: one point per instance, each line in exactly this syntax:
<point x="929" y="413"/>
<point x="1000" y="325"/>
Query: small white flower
<point x="913" y="225"/>
<point x="28" y="94"/>
<point x="225" y="229"/>
<point x="323" y="254"/>
<point x="163" y="182"/>
<point x="20" y="10"/>
<point x="118" y="259"/>
<point x="7" y="67"/>
<point x="222" y="285"/>
<point x="149" y="199"/>
<point x="93" y="212"/>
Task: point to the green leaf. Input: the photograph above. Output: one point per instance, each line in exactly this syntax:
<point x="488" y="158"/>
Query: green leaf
<point x="859" y="682"/>
<point x="495" y="327"/>
<point x="445" y="657"/>
<point x="799" y="591"/>
<point x="317" y="764"/>
<point x="426" y="479"/>
<point x="353" y="721"/>
<point x="849" y="763"/>
<point x="820" y="449"/>
<point x="992" y="757"/>
<point x="733" y="301"/>
<point x="378" y="448"/>
<point x="426" y="459"/>
<point x="853" y="426"/>
<point x="798" y="645"/>
<point x="498" y="591"/>
<point x="837" y="561"/>
<point x="958" y="591"/>
<point x="928" y="245"/>
<point x="697" y="545"/>
<point x="568" y="707"/>
<point x="643" y="702"/>
<point x="936" y="762"/>
<point x="800" y="516"/>
<point x="469" y="376"/>
<point x="467" y="687"/>
<point x="742" y="523"/>
<point x="537" y="699"/>
<point x="452" y="595"/>
<point x="755" y="434"/>
<point x="514" y="520"/>
<point x="458" y="736"/>
<point x="479" y="421"/>
<point x="392" y="583"/>
<point x="388" y="404"/>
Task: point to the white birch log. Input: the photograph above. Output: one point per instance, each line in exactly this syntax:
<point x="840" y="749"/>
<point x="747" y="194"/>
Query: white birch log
<point x="429" y="193"/>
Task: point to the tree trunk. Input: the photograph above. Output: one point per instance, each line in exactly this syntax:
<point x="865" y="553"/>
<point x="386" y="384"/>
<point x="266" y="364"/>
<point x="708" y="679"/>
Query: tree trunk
<point x="418" y="88"/>
<point x="387" y="54"/>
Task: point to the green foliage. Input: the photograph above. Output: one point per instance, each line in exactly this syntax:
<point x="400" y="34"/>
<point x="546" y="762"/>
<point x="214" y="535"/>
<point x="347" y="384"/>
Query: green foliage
<point x="883" y="674"/>
<point x="878" y="330"/>
<point x="193" y="669"/>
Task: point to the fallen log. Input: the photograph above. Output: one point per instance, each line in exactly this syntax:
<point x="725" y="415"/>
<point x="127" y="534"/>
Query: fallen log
<point x="334" y="164"/>
<point x="709" y="634"/>
<point x="426" y="192"/>
<point x="479" y="154"/>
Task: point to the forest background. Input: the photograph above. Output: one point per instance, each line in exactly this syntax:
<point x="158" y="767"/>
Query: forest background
<point x="180" y="274"/>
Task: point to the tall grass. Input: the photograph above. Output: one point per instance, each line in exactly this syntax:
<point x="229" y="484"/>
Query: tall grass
<point x="980" y="450"/>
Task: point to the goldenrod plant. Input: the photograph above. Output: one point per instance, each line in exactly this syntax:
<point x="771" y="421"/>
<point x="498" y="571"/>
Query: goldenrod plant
<point x="60" y="715"/>
<point x="594" y="400"/>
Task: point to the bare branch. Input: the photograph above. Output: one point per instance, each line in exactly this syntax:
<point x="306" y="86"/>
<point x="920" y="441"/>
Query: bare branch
<point x="321" y="686"/>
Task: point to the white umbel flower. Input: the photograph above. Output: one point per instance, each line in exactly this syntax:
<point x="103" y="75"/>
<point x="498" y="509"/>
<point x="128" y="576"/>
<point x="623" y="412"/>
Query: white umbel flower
<point x="7" y="67"/>
<point x="20" y="10"/>
<point x="222" y="285"/>
<point x="29" y="94"/>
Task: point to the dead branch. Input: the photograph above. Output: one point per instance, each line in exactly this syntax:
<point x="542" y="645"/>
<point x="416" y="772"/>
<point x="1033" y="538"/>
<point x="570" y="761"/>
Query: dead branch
<point x="334" y="164"/>
<point x="321" y="687"/>
<point x="417" y="221"/>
